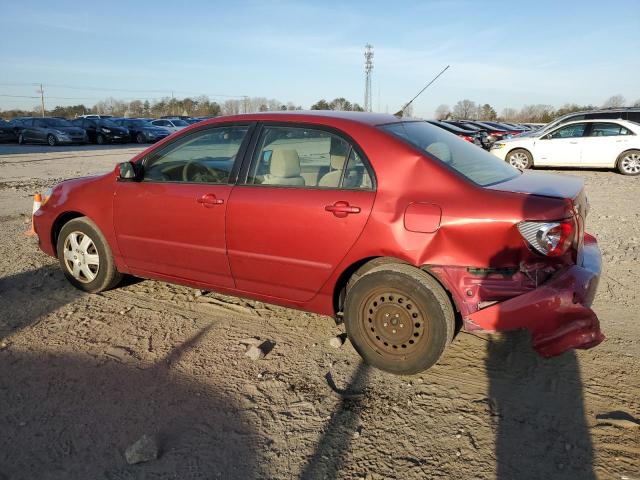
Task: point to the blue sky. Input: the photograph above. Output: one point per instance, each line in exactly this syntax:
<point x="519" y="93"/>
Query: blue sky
<point x="505" y="53"/>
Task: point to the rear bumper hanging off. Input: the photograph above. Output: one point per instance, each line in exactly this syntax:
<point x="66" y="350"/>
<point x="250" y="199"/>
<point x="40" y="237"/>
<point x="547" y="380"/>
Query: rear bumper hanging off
<point x="558" y="313"/>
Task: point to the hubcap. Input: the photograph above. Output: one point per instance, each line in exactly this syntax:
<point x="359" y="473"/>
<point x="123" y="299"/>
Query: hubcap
<point x="518" y="160"/>
<point x="631" y="163"/>
<point x="393" y="323"/>
<point x="81" y="257"/>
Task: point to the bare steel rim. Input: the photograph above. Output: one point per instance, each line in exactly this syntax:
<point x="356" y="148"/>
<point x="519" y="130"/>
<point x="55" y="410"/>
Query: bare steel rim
<point x="393" y="323"/>
<point x="519" y="160"/>
<point x="631" y="163"/>
<point x="81" y="257"/>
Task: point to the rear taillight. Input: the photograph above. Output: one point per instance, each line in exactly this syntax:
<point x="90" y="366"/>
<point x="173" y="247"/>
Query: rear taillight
<point x="467" y="138"/>
<point x="549" y="238"/>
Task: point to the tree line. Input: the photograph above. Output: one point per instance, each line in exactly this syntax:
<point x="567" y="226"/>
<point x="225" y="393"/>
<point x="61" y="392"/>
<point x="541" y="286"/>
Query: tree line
<point x="538" y="113"/>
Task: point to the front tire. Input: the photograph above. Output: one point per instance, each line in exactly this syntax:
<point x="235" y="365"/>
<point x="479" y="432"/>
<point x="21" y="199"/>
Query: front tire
<point x="100" y="139"/>
<point x="140" y="138"/>
<point x="399" y="319"/>
<point x="520" y="158"/>
<point x="51" y="140"/>
<point x="629" y="162"/>
<point x="20" y="139"/>
<point x="85" y="256"/>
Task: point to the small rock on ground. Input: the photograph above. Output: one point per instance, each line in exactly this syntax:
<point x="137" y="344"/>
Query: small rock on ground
<point x="254" y="352"/>
<point x="143" y="450"/>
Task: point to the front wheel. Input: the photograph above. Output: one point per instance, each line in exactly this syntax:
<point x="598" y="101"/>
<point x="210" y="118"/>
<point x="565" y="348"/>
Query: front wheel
<point x="520" y="158"/>
<point x="629" y="162"/>
<point x="100" y="139"/>
<point x="140" y="138"/>
<point x="399" y="319"/>
<point x="51" y="140"/>
<point x="20" y="139"/>
<point x="85" y="256"/>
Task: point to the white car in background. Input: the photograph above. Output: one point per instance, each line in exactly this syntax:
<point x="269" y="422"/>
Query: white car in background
<point x="172" y="125"/>
<point x="585" y="144"/>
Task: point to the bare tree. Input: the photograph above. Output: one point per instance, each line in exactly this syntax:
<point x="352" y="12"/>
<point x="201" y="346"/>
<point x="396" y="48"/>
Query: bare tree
<point x="614" y="102"/>
<point x="509" y="114"/>
<point x="442" y="112"/>
<point x="465" y="109"/>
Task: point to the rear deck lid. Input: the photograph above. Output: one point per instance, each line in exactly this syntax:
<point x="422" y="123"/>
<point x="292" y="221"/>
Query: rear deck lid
<point x="544" y="184"/>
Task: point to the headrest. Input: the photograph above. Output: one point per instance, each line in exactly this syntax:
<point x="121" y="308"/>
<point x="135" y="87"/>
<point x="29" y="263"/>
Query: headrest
<point x="337" y="162"/>
<point x="285" y="163"/>
<point x="441" y="151"/>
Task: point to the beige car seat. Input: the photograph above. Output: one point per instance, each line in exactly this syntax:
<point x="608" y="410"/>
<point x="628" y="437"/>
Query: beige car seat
<point x="332" y="179"/>
<point x="284" y="169"/>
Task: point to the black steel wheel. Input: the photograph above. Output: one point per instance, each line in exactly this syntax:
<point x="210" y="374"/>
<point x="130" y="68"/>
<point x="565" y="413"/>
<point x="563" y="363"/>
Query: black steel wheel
<point x="399" y="318"/>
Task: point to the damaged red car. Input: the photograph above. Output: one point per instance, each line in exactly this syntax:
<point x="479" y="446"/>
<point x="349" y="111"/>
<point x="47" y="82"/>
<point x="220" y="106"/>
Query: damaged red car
<point x="396" y="226"/>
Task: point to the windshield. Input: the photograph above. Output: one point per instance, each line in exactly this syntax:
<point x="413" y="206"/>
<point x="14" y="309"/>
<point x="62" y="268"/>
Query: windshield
<point x="107" y="123"/>
<point x="464" y="157"/>
<point x="58" y="122"/>
<point x="180" y="123"/>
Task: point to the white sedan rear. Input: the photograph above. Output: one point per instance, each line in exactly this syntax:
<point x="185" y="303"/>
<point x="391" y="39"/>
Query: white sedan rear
<point x="585" y="144"/>
<point x="170" y="125"/>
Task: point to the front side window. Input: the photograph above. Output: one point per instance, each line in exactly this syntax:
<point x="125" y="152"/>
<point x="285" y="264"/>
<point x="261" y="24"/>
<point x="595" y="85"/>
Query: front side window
<point x="204" y="157"/>
<point x="570" y="131"/>
<point x="608" y="130"/>
<point x="465" y="158"/>
<point x="307" y="157"/>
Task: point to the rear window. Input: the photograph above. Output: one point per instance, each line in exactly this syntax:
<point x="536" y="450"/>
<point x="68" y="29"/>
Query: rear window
<point x="465" y="158"/>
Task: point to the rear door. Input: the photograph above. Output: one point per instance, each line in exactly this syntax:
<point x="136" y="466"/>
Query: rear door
<point x="172" y="223"/>
<point x="301" y="204"/>
<point x="605" y="141"/>
<point x="560" y="147"/>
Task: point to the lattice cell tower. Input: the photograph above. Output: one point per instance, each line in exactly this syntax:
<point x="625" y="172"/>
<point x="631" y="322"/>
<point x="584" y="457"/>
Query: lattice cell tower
<point x="368" y="66"/>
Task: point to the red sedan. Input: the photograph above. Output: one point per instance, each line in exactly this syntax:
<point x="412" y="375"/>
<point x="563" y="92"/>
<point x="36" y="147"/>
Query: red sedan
<point x="398" y="227"/>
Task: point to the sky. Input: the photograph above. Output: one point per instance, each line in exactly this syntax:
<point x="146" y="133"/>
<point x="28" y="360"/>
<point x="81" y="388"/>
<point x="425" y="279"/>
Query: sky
<point x="505" y="53"/>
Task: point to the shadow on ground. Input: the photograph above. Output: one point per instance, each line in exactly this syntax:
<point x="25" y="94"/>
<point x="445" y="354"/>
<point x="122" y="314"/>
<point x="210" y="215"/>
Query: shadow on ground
<point x="70" y="416"/>
<point x="538" y="406"/>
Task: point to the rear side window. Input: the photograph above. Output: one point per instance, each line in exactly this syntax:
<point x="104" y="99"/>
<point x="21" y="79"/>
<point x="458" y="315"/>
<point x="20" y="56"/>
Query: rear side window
<point x="204" y="157"/>
<point x="633" y="116"/>
<point x="306" y="157"/>
<point x="608" y="130"/>
<point x="465" y="158"/>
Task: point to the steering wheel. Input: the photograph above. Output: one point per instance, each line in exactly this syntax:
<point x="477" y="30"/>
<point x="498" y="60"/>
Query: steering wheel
<point x="197" y="171"/>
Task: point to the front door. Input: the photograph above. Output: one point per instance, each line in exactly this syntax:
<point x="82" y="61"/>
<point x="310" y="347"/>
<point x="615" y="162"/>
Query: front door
<point x="172" y="223"/>
<point x="560" y="147"/>
<point x="303" y="203"/>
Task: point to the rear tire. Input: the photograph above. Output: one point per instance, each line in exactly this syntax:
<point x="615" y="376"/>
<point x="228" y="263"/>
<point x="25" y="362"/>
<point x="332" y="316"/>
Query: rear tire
<point x="85" y="256"/>
<point x="629" y="162"/>
<point x="399" y="319"/>
<point x="51" y="140"/>
<point x="519" y="158"/>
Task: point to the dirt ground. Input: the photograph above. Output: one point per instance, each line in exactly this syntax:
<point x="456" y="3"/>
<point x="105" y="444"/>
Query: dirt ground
<point x="82" y="377"/>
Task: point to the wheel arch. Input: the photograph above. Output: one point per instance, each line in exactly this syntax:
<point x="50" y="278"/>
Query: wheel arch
<point x="59" y="222"/>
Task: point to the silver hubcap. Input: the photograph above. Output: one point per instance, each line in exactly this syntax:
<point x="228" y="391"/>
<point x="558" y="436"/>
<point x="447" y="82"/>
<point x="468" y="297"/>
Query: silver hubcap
<point x="631" y="163"/>
<point x="519" y="160"/>
<point x="81" y="257"/>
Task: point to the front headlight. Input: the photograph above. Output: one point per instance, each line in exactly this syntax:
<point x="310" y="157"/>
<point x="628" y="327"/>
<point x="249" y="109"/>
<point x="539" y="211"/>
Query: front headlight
<point x="105" y="130"/>
<point x="497" y="145"/>
<point x="46" y="195"/>
<point x="61" y="133"/>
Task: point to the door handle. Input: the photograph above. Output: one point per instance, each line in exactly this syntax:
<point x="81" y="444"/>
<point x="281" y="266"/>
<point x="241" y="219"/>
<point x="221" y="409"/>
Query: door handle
<point x="342" y="209"/>
<point x="209" y="200"/>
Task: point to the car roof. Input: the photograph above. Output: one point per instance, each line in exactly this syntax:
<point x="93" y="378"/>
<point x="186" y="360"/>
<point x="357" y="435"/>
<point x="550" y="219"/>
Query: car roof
<point x="367" y="118"/>
<point x="599" y="120"/>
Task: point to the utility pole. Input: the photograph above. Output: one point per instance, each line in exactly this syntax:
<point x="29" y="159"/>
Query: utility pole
<point x="368" y="66"/>
<point x="41" y="92"/>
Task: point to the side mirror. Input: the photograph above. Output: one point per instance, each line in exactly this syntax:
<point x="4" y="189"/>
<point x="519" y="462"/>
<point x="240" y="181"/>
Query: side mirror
<point x="127" y="171"/>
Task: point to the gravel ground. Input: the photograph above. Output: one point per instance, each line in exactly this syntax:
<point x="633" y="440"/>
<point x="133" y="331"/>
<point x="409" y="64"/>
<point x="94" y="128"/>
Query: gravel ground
<point x="83" y="377"/>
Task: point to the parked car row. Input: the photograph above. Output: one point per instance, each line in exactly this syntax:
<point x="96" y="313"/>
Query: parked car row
<point x="99" y="129"/>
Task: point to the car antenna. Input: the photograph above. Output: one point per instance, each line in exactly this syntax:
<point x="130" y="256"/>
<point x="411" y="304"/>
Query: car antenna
<point x="400" y="113"/>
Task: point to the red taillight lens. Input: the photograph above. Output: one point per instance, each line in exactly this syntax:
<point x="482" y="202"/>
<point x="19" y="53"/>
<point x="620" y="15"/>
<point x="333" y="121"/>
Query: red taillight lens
<point x="549" y="238"/>
<point x="467" y="138"/>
